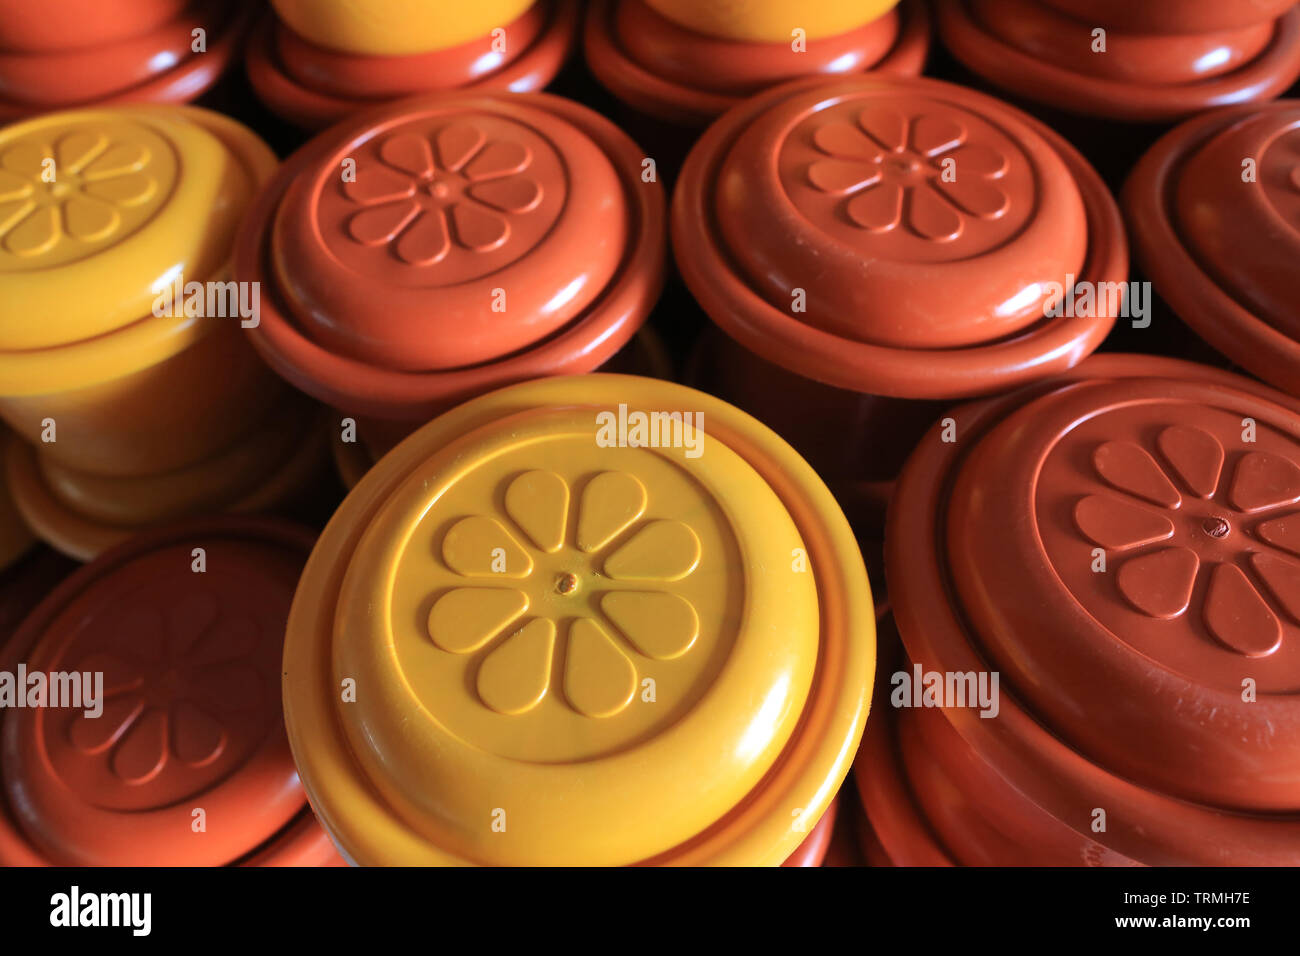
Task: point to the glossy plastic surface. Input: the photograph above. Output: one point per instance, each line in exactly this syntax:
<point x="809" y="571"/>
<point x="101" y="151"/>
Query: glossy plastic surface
<point x="903" y="237"/>
<point x="770" y="21"/>
<point x="395" y="27"/>
<point x="465" y="257"/>
<point x="1214" y="207"/>
<point x="508" y="584"/>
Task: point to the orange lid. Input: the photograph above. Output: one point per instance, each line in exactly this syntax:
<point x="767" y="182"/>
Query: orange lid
<point x="188" y="763"/>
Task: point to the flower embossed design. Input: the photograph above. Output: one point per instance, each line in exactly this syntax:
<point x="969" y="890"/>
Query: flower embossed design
<point x="1181" y="513"/>
<point x="425" y="195"/>
<point x="74" y="193"/>
<point x="919" y="172"/>
<point x="545" y="614"/>
<point x="176" y="685"/>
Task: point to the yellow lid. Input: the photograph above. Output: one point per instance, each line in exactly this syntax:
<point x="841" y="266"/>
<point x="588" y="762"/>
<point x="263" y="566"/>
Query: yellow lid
<point x="395" y="27"/>
<point x="772" y="21"/>
<point x="98" y="209"/>
<point x="525" y="640"/>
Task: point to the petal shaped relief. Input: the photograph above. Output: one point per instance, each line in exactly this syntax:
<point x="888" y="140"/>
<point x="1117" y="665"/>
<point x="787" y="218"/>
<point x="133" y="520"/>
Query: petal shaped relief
<point x="1127" y="466"/>
<point x="599" y="680"/>
<point x="878" y="208"/>
<point x="89" y="219"/>
<point x="663" y="550"/>
<point x="658" y="624"/>
<point x="12" y="213"/>
<point x="186" y="618"/>
<point x="119" y="676"/>
<point x="515" y="675"/>
<point x="538" y="502"/>
<point x="27" y="159"/>
<point x="479" y="546"/>
<point x="75" y="150"/>
<point x="1282" y="532"/>
<point x="197" y="739"/>
<point x="1159" y="584"/>
<point x="37" y="233"/>
<point x="1264" y="480"/>
<point x="933" y="135"/>
<point x="497" y="159"/>
<point x="118" y="160"/>
<point x="142" y="751"/>
<point x="975" y="197"/>
<point x="1118" y="525"/>
<point x="465" y="619"/>
<point x="232" y="637"/>
<point x="974" y="159"/>
<point x="93" y="735"/>
<point x="611" y="501"/>
<point x="1237" y="615"/>
<point x="409" y="153"/>
<point x="381" y="223"/>
<point x="886" y="126"/>
<point x="14" y="186"/>
<point x="1195" y="456"/>
<point x="426" y="241"/>
<point x="378" y="184"/>
<point x="841" y="176"/>
<point x="930" y="217"/>
<point x="457" y="143"/>
<point x="130" y="190"/>
<point x="1282" y="578"/>
<point x="477" y="228"/>
<point x="517" y="194"/>
<point x="846" y="142"/>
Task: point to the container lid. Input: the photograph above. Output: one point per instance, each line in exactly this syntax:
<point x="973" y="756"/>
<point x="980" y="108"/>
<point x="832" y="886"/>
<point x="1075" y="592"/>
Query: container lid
<point x="78" y="24"/>
<point x="1046" y="56"/>
<point x="812" y="851"/>
<point x="395" y="27"/>
<point x="191" y="715"/>
<point x="476" y="240"/>
<point x="574" y="642"/>
<point x="667" y="70"/>
<point x="103" y="208"/>
<point x="897" y="236"/>
<point x="1214" y="208"/>
<point x="770" y="21"/>
<point x="1173" y="16"/>
<point x="1146" y="509"/>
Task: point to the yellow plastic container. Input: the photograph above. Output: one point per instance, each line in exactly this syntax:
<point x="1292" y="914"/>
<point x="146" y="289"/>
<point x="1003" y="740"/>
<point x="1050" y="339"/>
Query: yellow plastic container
<point x="525" y="638"/>
<point x="395" y="27"/>
<point x="772" y="21"/>
<point x="100" y="210"/>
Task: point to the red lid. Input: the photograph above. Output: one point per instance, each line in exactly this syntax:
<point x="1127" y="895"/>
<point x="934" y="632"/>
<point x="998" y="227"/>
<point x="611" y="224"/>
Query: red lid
<point x="1148" y="511"/>
<point x="1159" y="72"/>
<point x="895" y="236"/>
<point x="314" y="87"/>
<point x="191" y="713"/>
<point x="666" y="70"/>
<point x="482" y="240"/>
<point x="77" y="24"/>
<point x="157" y="64"/>
<point x="1173" y="16"/>
<point x="1215" y="211"/>
<point x="812" y="851"/>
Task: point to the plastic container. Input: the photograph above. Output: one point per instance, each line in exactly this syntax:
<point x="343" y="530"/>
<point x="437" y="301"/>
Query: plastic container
<point x="486" y="239"/>
<point x="816" y="228"/>
<point x="1147" y="508"/>
<point x="72" y="53"/>
<point x="320" y="63"/>
<point x="1213" y="210"/>
<point x="581" y="644"/>
<point x="812" y="851"/>
<point x="687" y="64"/>
<point x="187" y="765"/>
<point x="1133" y="62"/>
<point x="127" y="418"/>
